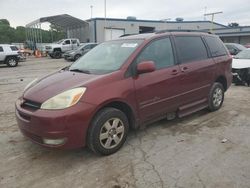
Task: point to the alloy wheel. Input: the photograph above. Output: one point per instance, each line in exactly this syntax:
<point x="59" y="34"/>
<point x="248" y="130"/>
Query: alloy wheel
<point x="111" y="133"/>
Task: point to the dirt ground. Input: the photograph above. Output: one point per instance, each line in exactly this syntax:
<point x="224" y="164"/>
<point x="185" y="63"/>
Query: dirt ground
<point x="186" y="152"/>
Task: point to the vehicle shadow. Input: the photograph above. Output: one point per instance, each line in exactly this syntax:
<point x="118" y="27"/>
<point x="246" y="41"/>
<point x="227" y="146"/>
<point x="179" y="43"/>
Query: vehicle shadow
<point x="172" y="127"/>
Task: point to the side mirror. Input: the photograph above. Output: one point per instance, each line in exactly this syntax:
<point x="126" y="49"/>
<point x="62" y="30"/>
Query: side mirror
<point x="145" y="67"/>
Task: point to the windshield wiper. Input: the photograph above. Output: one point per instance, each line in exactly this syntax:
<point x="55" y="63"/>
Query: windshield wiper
<point x="80" y="70"/>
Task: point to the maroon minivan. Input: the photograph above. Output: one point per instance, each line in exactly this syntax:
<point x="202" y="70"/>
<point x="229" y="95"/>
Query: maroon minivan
<point x="123" y="84"/>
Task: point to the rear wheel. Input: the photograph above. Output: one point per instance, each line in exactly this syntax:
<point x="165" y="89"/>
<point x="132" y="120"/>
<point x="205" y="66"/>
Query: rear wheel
<point x="108" y="131"/>
<point x="216" y="97"/>
<point x="11" y="61"/>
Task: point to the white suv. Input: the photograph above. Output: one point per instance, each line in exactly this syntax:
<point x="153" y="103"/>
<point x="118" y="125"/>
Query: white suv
<point x="9" y="55"/>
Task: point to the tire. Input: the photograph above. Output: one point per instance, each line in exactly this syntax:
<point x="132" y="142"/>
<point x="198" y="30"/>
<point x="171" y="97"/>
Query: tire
<point x="51" y="56"/>
<point x="216" y="97"/>
<point x="77" y="56"/>
<point x="108" y="131"/>
<point x="57" y="55"/>
<point x="11" y="62"/>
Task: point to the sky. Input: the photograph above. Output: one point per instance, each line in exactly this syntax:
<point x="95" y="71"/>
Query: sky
<point x="22" y="12"/>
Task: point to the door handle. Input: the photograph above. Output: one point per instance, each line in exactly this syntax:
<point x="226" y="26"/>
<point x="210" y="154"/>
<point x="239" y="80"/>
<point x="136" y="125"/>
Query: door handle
<point x="174" y="72"/>
<point x="184" y="69"/>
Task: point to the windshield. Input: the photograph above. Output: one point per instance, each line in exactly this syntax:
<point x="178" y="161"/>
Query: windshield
<point x="106" y="57"/>
<point x="245" y="54"/>
<point x="60" y="41"/>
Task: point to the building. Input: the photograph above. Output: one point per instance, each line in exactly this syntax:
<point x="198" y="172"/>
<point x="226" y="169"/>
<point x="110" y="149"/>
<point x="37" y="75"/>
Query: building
<point x="102" y="29"/>
<point x="239" y="35"/>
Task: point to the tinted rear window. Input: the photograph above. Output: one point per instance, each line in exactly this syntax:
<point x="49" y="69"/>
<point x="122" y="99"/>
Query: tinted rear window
<point x="13" y="48"/>
<point x="216" y="46"/>
<point x="1" y="49"/>
<point x="190" y="48"/>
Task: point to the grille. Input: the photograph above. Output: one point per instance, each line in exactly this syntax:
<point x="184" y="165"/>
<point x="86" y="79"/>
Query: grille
<point x="31" y="105"/>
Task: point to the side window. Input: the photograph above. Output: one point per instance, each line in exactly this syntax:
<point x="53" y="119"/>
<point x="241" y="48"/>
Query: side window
<point x="190" y="48"/>
<point x="87" y="47"/>
<point x="67" y="42"/>
<point x="1" y="49"/>
<point x="74" y="41"/>
<point x="93" y="45"/>
<point x="216" y="46"/>
<point x="13" y="48"/>
<point x="159" y="51"/>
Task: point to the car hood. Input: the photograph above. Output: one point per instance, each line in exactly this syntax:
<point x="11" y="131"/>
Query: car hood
<point x="56" y="83"/>
<point x="241" y="63"/>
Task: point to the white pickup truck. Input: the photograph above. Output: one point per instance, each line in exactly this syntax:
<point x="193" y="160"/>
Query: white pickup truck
<point x="55" y="50"/>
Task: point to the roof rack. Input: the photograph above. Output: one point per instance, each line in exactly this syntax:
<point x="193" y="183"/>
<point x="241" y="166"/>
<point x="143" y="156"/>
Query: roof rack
<point x="184" y="30"/>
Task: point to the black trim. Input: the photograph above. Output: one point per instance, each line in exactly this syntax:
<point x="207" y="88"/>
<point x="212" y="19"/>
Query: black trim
<point x="31" y="104"/>
<point x="95" y="31"/>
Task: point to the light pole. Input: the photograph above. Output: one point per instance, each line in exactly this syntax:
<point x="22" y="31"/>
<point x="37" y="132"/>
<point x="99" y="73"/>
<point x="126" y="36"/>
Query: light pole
<point x="105" y="13"/>
<point x="91" y="11"/>
<point x="205" y="12"/>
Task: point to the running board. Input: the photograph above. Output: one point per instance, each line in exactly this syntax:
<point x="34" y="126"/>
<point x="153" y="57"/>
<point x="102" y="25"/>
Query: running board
<point x="192" y="107"/>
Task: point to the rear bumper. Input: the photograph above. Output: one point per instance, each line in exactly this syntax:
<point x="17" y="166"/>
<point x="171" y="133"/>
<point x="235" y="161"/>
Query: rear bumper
<point x="70" y="124"/>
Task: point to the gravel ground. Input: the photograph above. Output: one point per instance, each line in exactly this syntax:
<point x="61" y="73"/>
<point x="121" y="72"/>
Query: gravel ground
<point x="202" y="150"/>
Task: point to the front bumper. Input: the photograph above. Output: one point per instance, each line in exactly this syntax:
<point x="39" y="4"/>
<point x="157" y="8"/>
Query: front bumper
<point x="68" y="57"/>
<point x="70" y="124"/>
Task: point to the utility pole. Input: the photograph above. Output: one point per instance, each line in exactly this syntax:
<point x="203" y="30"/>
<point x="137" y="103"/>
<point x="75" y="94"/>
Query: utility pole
<point x="212" y="14"/>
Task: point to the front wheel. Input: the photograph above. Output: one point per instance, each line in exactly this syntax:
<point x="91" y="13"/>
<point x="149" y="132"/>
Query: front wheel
<point x="108" y="131"/>
<point x="216" y="97"/>
<point x="12" y="62"/>
<point x="77" y="56"/>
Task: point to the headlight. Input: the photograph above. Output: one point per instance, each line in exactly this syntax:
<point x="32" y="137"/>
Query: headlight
<point x="30" y="84"/>
<point x="64" y="100"/>
<point x="71" y="53"/>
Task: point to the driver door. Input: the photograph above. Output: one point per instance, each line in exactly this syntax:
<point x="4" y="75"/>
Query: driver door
<point x="157" y="92"/>
<point x="66" y="46"/>
<point x="2" y="56"/>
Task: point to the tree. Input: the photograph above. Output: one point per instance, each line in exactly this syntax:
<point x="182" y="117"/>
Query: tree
<point x="9" y="34"/>
<point x="233" y="24"/>
<point x="5" y="22"/>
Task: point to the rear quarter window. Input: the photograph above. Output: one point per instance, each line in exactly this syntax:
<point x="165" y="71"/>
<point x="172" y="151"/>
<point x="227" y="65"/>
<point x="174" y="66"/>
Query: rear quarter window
<point x="1" y="49"/>
<point x="190" y="48"/>
<point x="216" y="46"/>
